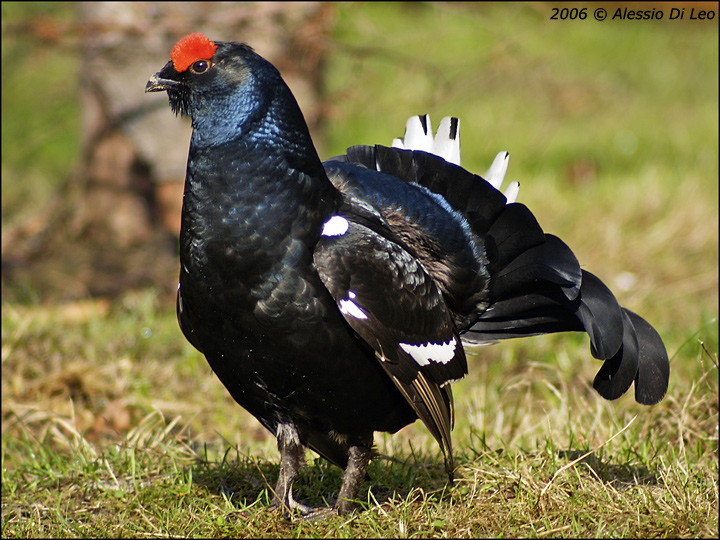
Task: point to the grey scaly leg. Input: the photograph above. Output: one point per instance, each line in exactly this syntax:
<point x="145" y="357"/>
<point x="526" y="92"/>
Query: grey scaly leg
<point x="357" y="466"/>
<point x="292" y="456"/>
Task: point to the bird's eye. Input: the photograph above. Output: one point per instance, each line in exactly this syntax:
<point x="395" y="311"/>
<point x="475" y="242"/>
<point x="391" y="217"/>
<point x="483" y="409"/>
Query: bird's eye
<point x="199" y="67"/>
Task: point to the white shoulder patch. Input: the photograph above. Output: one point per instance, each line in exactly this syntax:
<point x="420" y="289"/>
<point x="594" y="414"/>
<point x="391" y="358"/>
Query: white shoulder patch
<point x="348" y="307"/>
<point x="335" y="226"/>
<point x="439" y="353"/>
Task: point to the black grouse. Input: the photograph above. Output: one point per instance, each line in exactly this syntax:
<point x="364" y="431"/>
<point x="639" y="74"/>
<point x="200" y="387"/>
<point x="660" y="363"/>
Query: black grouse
<point x="332" y="299"/>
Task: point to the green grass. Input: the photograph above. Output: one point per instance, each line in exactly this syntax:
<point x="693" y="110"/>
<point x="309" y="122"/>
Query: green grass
<point x="112" y="425"/>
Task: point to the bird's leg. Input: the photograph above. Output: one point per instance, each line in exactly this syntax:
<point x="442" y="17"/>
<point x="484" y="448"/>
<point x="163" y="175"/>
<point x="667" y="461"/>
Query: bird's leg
<point x="358" y="460"/>
<point x="292" y="456"/>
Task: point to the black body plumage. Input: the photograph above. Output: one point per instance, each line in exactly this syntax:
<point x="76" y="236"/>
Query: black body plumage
<point x="331" y="298"/>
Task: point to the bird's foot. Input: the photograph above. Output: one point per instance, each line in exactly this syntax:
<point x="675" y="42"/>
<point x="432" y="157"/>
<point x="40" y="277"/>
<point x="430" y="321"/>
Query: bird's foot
<point x="290" y="507"/>
<point x="293" y="509"/>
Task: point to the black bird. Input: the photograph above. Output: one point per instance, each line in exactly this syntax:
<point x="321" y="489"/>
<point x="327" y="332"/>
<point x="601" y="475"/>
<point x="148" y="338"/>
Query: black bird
<point x="332" y="299"/>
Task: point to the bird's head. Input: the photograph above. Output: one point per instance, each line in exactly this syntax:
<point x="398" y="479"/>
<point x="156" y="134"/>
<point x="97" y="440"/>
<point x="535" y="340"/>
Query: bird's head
<point x="221" y="85"/>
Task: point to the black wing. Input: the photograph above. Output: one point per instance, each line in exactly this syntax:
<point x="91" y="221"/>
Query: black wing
<point x="397" y="309"/>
